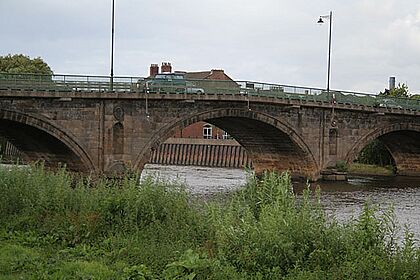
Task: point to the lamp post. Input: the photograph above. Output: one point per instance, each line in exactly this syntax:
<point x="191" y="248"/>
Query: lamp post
<point x="321" y="21"/>
<point x="112" y="48"/>
<point x="333" y="100"/>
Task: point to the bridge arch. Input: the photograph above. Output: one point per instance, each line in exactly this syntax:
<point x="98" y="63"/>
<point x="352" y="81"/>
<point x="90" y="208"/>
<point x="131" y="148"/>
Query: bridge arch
<point x="40" y="139"/>
<point x="403" y="142"/>
<point x="271" y="143"/>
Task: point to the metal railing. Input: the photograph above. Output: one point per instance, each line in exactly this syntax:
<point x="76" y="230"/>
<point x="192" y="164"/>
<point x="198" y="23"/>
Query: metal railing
<point x="66" y="82"/>
<point x="80" y="83"/>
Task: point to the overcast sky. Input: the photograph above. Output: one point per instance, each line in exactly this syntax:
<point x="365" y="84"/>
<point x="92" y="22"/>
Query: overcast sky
<point x="266" y="40"/>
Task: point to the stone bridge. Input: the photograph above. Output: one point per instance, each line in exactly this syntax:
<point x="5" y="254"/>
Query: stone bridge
<point x="110" y="131"/>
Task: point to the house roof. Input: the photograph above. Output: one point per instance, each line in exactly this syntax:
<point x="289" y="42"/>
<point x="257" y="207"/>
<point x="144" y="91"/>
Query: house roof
<point x="197" y="75"/>
<point x="207" y="75"/>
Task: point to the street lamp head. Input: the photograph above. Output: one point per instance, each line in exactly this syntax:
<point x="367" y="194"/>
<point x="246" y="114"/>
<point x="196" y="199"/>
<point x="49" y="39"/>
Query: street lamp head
<point x="320" y="21"/>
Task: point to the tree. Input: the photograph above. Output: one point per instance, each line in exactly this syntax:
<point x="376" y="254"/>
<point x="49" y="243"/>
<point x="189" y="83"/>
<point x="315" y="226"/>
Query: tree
<point x="21" y="64"/>
<point x="399" y="91"/>
<point x="375" y="153"/>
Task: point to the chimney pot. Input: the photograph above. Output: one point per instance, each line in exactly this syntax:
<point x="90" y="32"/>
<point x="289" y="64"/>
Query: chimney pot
<point x="154" y="70"/>
<point x="166" y="67"/>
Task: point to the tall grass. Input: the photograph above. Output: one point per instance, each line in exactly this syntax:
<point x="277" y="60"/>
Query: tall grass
<point x="267" y="230"/>
<point x="54" y="226"/>
<point x="56" y="203"/>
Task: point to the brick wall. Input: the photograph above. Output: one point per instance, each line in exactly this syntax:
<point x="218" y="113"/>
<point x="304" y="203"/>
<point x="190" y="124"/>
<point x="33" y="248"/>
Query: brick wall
<point x="196" y="131"/>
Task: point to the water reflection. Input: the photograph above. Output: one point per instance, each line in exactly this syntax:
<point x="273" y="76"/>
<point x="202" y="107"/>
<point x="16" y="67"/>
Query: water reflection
<point x="343" y="199"/>
<point x="346" y="199"/>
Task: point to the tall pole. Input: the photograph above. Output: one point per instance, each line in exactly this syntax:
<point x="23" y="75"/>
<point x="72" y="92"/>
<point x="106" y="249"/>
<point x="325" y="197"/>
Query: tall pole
<point x="333" y="100"/>
<point x="329" y="54"/>
<point x="112" y="48"/>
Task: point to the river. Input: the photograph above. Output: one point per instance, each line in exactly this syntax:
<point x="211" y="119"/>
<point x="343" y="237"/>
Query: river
<point x="341" y="199"/>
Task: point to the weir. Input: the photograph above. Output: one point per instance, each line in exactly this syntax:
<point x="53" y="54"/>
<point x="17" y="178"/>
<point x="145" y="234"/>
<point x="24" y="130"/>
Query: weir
<point x="201" y="152"/>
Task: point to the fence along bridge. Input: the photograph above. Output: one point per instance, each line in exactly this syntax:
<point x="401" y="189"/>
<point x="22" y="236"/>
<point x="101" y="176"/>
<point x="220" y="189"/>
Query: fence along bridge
<point x="105" y="125"/>
<point x="80" y="83"/>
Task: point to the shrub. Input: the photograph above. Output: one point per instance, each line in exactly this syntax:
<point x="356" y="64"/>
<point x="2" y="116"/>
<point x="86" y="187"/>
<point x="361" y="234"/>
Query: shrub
<point x="53" y="225"/>
<point x="342" y="166"/>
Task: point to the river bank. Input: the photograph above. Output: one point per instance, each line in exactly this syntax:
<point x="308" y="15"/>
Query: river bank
<point x="368" y="169"/>
<point x="54" y="227"/>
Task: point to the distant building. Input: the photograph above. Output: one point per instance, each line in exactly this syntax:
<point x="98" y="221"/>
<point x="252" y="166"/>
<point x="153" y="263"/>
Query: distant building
<point x="202" y="130"/>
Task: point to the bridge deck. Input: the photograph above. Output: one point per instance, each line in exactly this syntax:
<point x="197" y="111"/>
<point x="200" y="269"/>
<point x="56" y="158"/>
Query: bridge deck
<point x="76" y="86"/>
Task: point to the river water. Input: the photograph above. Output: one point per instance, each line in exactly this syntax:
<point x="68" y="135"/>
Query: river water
<point x="344" y="200"/>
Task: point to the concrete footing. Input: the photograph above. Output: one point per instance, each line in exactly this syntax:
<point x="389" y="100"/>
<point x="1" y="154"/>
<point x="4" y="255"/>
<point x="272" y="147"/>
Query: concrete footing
<point x="333" y="175"/>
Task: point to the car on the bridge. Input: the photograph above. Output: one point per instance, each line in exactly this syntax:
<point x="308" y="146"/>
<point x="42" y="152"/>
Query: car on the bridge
<point x="171" y="83"/>
<point x="388" y="103"/>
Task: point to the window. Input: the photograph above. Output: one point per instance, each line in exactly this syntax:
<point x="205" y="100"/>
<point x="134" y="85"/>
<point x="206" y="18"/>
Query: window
<point x="225" y="135"/>
<point x="207" y="131"/>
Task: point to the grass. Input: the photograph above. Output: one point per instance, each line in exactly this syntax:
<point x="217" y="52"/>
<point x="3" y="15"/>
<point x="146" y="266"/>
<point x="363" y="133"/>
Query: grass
<point x="54" y="226"/>
<point x="369" y="169"/>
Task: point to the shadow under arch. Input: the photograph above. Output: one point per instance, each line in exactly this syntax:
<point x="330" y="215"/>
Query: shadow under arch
<point x="40" y="139"/>
<point x="402" y="141"/>
<point x="272" y="144"/>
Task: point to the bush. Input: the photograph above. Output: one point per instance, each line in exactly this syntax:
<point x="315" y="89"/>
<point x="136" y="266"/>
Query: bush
<point x="55" y="226"/>
<point x="342" y="166"/>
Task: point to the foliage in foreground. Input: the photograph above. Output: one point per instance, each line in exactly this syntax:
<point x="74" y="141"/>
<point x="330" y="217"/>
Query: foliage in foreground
<point x="56" y="227"/>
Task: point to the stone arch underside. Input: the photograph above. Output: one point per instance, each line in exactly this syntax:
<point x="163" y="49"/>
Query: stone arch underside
<point x="271" y="143"/>
<point x="268" y="147"/>
<point x="403" y="143"/>
<point x="39" y="140"/>
<point x="404" y="147"/>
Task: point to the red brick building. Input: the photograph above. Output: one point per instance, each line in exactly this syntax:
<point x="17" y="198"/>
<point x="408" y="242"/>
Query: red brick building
<point x="200" y="130"/>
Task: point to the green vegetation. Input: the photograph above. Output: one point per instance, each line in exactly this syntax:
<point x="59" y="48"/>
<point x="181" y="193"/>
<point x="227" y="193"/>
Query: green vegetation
<point x="342" y="166"/>
<point x="401" y="90"/>
<point x="371" y="169"/>
<point x="375" y="153"/>
<point x="20" y="64"/>
<point x="54" y="226"/>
